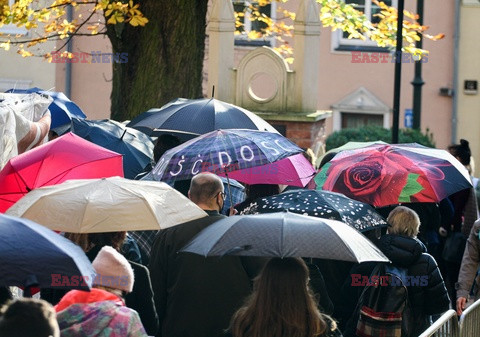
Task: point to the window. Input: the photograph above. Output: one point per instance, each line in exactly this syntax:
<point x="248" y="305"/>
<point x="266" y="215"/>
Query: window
<point x="356" y="120"/>
<point x="245" y="7"/>
<point x="340" y="39"/>
<point x="11" y="29"/>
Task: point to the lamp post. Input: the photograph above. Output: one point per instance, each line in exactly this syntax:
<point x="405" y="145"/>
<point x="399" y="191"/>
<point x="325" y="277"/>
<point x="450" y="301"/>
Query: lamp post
<point x="417" y="79"/>
<point x="398" y="73"/>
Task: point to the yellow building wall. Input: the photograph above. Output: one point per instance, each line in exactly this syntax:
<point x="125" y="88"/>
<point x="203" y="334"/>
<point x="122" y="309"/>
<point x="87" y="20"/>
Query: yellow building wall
<point x="469" y="69"/>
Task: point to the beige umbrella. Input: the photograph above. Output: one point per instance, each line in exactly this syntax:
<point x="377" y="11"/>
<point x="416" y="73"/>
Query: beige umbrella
<point x="106" y="205"/>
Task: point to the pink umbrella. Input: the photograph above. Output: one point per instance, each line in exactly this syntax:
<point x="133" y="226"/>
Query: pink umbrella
<point x="295" y="170"/>
<point x="67" y="157"/>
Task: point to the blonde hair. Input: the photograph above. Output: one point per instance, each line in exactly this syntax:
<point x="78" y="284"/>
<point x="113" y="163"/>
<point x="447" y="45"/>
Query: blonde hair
<point x="403" y="221"/>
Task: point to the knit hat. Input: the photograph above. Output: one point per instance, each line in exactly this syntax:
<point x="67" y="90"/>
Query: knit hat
<point x="113" y="270"/>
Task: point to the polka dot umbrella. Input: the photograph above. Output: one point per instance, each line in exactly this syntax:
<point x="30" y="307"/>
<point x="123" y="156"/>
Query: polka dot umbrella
<point x="321" y="204"/>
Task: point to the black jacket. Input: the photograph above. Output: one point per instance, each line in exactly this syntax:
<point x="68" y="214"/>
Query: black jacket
<point x="197" y="296"/>
<point x="426" y="298"/>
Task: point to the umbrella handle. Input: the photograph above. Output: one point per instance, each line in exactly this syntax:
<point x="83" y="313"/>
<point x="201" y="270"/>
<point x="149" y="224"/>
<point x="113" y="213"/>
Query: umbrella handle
<point x="229" y="189"/>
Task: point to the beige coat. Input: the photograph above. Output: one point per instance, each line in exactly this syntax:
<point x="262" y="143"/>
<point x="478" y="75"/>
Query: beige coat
<point x="470" y="264"/>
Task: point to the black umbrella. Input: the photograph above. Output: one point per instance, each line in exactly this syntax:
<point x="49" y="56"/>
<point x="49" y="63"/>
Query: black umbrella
<point x="196" y="117"/>
<point x="284" y="235"/>
<point x="135" y="146"/>
<point x="321" y="204"/>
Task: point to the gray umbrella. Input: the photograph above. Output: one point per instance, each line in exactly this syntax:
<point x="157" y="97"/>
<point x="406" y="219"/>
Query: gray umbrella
<point x="284" y="235"/>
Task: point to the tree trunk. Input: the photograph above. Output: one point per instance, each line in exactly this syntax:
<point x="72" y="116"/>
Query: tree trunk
<point x="165" y="58"/>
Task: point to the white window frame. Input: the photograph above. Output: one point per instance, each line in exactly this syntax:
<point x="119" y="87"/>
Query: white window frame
<point x="247" y="24"/>
<point x="12" y="29"/>
<point x="339" y="41"/>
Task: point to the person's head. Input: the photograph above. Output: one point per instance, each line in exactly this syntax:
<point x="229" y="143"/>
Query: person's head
<point x="86" y="241"/>
<point x="261" y="190"/>
<point x="326" y="158"/>
<point x="281" y="305"/>
<point x="461" y="151"/>
<point x="207" y="191"/>
<point x="403" y="221"/>
<point x="27" y="317"/>
<point x="114" y="272"/>
<point x="163" y="144"/>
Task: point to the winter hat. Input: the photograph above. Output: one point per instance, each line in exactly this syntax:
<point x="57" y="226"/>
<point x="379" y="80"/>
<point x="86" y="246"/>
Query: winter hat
<point x="113" y="270"/>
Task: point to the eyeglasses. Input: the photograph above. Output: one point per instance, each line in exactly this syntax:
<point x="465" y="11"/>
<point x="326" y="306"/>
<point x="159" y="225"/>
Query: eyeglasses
<point x="224" y="195"/>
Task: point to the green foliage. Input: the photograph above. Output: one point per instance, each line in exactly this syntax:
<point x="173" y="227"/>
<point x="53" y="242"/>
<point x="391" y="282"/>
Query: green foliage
<point x="373" y="133"/>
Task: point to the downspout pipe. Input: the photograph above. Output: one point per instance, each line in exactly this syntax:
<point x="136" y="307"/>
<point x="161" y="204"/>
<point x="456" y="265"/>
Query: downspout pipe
<point x="456" y="92"/>
<point x="68" y="65"/>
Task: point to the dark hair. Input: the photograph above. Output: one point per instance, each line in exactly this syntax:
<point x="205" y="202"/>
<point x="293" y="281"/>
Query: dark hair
<point x="114" y="239"/>
<point x="461" y="151"/>
<point x="164" y="143"/>
<point x="261" y="190"/>
<point x="87" y="241"/>
<point x="282" y="304"/>
<point x="326" y="158"/>
<point x="204" y="187"/>
<point x="28" y="317"/>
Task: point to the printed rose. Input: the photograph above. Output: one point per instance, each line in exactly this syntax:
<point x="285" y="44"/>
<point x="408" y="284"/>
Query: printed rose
<point x="373" y="177"/>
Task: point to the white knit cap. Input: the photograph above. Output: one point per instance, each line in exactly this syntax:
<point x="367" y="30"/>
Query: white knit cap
<point x="113" y="270"/>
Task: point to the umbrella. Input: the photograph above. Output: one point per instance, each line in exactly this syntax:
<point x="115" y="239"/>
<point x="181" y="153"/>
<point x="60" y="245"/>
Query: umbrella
<point x="322" y="204"/>
<point x="106" y="205"/>
<point x="136" y="147"/>
<point x="295" y="170"/>
<point x="223" y="150"/>
<point x="284" y="235"/>
<point x="197" y="116"/>
<point x="383" y="175"/>
<point x="32" y="255"/>
<point x="62" y="109"/>
<point x="67" y="157"/>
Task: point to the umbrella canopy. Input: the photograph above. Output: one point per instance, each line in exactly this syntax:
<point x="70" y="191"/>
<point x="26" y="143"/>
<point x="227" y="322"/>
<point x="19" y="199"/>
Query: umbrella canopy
<point x="32" y="255"/>
<point x="295" y="170"/>
<point x="223" y="150"/>
<point x="67" y="157"/>
<point x="348" y="146"/>
<point x="383" y="175"/>
<point x="106" y="205"/>
<point x="198" y="116"/>
<point x="284" y="235"/>
<point x="62" y="109"/>
<point x="322" y="204"/>
<point x="136" y="147"/>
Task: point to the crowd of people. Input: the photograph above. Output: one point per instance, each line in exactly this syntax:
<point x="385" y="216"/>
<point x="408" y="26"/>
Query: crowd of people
<point x="145" y="287"/>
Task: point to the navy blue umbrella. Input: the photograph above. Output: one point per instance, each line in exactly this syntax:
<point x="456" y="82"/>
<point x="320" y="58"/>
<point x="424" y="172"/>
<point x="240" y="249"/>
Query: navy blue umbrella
<point x="62" y="109"/>
<point x="192" y="117"/>
<point x="33" y="255"/>
<point x="223" y="151"/>
<point x="136" y="147"/>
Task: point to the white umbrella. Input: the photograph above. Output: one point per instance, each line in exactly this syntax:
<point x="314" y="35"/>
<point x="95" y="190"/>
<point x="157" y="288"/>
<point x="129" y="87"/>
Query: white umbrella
<point x="106" y="205"/>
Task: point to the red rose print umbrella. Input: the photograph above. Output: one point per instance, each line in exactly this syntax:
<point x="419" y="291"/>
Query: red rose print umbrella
<point x="382" y="175"/>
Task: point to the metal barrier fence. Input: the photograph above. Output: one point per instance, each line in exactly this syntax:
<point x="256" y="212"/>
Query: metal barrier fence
<point x="445" y="326"/>
<point x="470" y="321"/>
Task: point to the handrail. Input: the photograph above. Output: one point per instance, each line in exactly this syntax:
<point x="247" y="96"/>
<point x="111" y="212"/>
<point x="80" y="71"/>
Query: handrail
<point x="445" y="326"/>
<point x="470" y="321"/>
